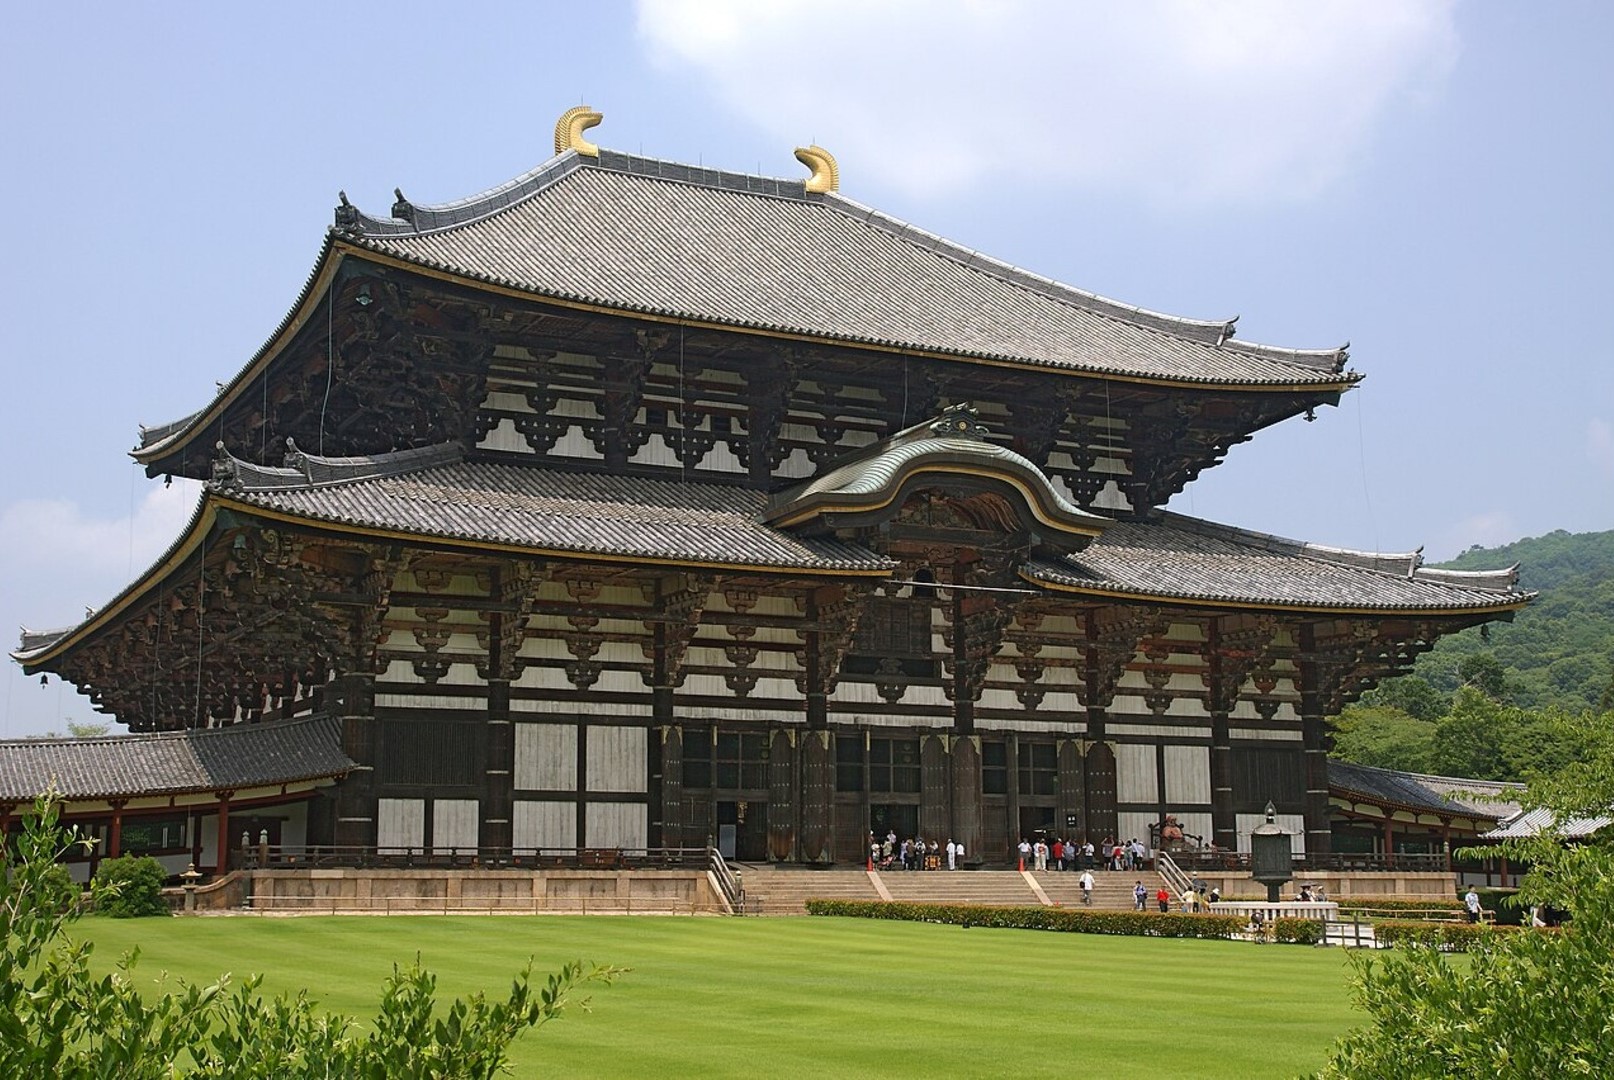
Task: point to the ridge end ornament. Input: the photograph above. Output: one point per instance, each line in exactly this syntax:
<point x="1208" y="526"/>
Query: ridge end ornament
<point x="826" y="173"/>
<point x="570" y="127"/>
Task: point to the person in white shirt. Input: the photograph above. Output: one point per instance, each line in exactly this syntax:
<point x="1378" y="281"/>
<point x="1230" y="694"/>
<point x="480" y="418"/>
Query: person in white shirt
<point x="1086" y="882"/>
<point x="952" y="854"/>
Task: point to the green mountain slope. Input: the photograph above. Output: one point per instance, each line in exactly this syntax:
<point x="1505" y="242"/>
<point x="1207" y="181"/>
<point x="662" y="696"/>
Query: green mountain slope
<point x="1560" y="649"/>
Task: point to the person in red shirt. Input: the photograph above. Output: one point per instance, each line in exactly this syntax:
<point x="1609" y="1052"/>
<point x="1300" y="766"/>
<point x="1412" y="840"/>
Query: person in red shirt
<point x="1163" y="898"/>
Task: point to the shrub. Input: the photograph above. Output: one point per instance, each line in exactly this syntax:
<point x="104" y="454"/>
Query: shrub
<point x="1401" y="903"/>
<point x="59" y="1019"/>
<point x="1297" y="931"/>
<point x="1064" y="920"/>
<point x="1446" y="936"/>
<point x="130" y="887"/>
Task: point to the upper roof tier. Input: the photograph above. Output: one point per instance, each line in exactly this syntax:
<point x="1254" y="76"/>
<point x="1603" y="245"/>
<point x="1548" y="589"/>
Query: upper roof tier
<point x="637" y="234"/>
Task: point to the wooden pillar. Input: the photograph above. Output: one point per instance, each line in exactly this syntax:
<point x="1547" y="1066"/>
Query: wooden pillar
<point x="114" y="847"/>
<point x="1389" y="838"/>
<point x="351" y="699"/>
<point x="498" y="775"/>
<point x="935" y="787"/>
<point x="667" y="825"/>
<point x="224" y="831"/>
<point x="1224" y="822"/>
<point x="781" y="797"/>
<point x="815" y="751"/>
<point x="963" y="689"/>
<point x="965" y="760"/>
<point x="1313" y="729"/>
<point x="1072" y="790"/>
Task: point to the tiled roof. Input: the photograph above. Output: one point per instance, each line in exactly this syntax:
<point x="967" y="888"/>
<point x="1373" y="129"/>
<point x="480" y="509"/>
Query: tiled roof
<point x="585" y="513"/>
<point x="1418" y="791"/>
<point x="221" y="759"/>
<point x="641" y="235"/>
<point x="1531" y="822"/>
<point x="1176" y="556"/>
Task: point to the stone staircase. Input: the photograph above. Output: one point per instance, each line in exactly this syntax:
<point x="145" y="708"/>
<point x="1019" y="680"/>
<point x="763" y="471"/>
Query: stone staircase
<point x="1112" y="890"/>
<point x="771" y="890"/>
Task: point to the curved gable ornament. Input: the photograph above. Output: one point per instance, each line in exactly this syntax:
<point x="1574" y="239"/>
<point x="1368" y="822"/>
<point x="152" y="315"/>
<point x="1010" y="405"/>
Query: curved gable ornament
<point x="570" y="127"/>
<point x="953" y="446"/>
<point x="826" y="173"/>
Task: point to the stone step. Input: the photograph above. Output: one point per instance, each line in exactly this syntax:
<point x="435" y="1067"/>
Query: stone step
<point x="785" y="891"/>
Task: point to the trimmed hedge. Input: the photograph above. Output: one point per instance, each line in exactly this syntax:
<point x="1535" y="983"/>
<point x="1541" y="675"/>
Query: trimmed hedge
<point x="1448" y="937"/>
<point x="1064" y="920"/>
<point x="1297" y="931"/>
<point x="1400" y="903"/>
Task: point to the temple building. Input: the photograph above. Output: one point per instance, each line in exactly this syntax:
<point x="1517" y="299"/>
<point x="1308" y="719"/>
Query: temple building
<point x="632" y="503"/>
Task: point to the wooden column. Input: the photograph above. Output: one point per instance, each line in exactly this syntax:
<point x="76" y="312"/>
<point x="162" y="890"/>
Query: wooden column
<point x="816" y="753"/>
<point x="498" y="775"/>
<point x="966" y="780"/>
<point x="351" y="699"/>
<point x="781" y="797"/>
<point x="963" y="690"/>
<point x="1313" y="728"/>
<point x="1103" y="818"/>
<point x="114" y="846"/>
<point x="935" y="788"/>
<point x="1072" y="790"/>
<point x="224" y="831"/>
<point x="668" y="831"/>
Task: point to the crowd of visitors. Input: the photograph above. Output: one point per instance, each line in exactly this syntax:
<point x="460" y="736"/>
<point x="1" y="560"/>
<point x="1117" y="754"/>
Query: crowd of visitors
<point x="913" y="853"/>
<point x="1063" y="854"/>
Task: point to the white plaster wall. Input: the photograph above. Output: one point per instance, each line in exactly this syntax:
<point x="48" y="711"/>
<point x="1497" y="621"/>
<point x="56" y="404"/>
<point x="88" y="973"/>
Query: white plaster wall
<point x="400" y="823"/>
<point x="546" y="757"/>
<point x="1188" y="774"/>
<point x="543" y="824"/>
<point x="1134" y="825"/>
<point x="616" y="825"/>
<point x="455" y="824"/>
<point x="1136" y="778"/>
<point x="616" y="759"/>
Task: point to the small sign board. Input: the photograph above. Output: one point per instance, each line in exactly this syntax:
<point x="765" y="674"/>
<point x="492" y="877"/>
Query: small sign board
<point x="1071" y="821"/>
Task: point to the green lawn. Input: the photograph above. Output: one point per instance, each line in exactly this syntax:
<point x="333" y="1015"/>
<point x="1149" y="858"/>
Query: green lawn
<point x="817" y="997"/>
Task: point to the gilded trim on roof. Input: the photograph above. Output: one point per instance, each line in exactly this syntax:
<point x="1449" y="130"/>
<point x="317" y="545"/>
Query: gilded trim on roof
<point x="570" y="127"/>
<point x="826" y="173"/>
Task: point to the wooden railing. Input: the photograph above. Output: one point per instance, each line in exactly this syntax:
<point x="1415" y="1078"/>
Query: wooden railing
<point x="728" y="882"/>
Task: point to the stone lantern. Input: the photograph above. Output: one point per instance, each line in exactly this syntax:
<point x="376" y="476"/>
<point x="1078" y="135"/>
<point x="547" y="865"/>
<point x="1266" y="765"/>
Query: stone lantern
<point x="1271" y="857"/>
<point x="190" y="877"/>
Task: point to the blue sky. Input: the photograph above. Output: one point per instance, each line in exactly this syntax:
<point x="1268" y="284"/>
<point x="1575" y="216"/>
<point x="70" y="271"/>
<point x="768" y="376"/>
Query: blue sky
<point x="1428" y="181"/>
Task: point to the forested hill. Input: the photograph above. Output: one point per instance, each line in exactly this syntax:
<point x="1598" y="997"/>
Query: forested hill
<point x="1511" y="701"/>
<point x="1560" y="649"/>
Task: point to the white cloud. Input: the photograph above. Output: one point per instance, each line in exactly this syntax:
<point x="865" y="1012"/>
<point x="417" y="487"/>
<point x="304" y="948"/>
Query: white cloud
<point x="48" y="543"/>
<point x="1187" y="101"/>
<point x="1600" y="446"/>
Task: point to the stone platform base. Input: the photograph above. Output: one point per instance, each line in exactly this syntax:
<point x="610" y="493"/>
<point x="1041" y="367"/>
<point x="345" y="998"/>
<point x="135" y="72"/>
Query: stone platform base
<point x="507" y="892"/>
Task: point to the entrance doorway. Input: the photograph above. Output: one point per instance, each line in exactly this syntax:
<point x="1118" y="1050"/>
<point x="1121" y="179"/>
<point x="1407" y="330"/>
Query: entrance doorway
<point x="742" y="830"/>
<point x="1035" y="820"/>
<point x="896" y="818"/>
